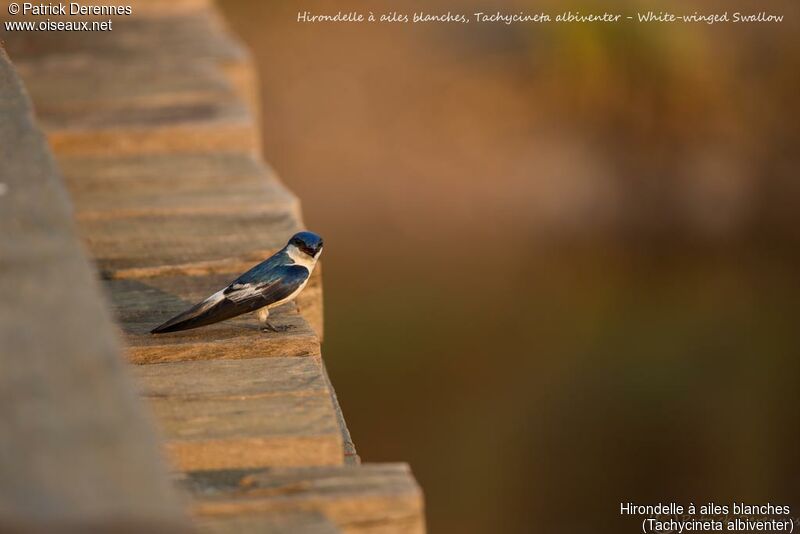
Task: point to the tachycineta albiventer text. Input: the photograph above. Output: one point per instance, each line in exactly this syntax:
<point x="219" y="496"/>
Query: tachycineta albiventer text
<point x="272" y="282"/>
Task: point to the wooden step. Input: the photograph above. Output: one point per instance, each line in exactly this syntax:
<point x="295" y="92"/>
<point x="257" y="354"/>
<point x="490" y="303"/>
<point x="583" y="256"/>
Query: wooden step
<point x="364" y="498"/>
<point x="227" y="414"/>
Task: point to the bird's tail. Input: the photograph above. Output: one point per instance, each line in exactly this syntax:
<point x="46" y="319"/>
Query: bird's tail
<point x="212" y="310"/>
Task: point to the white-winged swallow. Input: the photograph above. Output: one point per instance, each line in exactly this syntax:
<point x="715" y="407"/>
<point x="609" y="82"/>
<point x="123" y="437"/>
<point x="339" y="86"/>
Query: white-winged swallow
<point x="271" y="283"/>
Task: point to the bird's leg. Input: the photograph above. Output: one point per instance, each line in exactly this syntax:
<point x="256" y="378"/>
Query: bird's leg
<point x="263" y="315"/>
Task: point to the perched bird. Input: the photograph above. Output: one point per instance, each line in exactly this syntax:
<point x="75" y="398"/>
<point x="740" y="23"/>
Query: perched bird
<point x="269" y="284"/>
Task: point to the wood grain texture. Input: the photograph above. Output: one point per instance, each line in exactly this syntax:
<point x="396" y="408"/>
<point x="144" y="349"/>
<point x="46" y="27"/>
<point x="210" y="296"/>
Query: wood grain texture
<point x="153" y="129"/>
<point x="282" y="523"/>
<point x="172" y="240"/>
<point x="245" y="413"/>
<point x="206" y="183"/>
<point x="84" y="84"/>
<point x="188" y="35"/>
<point x="364" y="498"/>
<point x="76" y="446"/>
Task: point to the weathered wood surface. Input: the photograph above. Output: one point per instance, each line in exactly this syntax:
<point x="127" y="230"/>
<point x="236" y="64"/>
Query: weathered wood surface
<point x="153" y="129"/>
<point x="268" y="523"/>
<point x="168" y="240"/>
<point x="202" y="183"/>
<point x="76" y="448"/>
<point x="232" y="414"/>
<point x="83" y="84"/>
<point x="188" y="37"/>
<point x="364" y="498"/>
<point x="166" y="37"/>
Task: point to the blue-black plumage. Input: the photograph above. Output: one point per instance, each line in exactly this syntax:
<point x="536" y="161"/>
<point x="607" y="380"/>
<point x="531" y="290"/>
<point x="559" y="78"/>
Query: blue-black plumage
<point x="272" y="282"/>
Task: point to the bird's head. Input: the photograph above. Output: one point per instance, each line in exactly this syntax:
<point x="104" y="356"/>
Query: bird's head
<point x="308" y="243"/>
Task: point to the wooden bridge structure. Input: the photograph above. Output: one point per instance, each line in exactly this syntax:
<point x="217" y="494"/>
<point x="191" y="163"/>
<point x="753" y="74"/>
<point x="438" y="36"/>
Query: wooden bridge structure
<point x="132" y="185"/>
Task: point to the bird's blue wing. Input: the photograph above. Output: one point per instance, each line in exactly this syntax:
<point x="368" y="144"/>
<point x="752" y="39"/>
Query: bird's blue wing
<point x="268" y="282"/>
<point x="266" y="269"/>
<point x="267" y="286"/>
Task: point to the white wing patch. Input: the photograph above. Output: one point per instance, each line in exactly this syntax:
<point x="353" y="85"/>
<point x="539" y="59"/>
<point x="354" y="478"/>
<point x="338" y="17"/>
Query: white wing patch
<point x="240" y="292"/>
<point x="212" y="301"/>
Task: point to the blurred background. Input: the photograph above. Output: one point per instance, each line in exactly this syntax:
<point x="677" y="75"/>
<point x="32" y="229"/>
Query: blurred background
<point x="562" y="261"/>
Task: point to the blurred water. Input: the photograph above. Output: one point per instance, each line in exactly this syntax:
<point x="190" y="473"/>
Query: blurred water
<point x="561" y="263"/>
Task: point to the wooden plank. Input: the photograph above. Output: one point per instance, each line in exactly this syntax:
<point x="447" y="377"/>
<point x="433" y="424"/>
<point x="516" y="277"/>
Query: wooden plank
<point x="170" y="242"/>
<point x="171" y="184"/>
<point x="228" y="414"/>
<point x="174" y="39"/>
<point x="284" y="523"/>
<point x="85" y="83"/>
<point x="91" y="106"/>
<point x="77" y="448"/>
<point x="141" y="304"/>
<point x="153" y="129"/>
<point x="196" y="36"/>
<point x="373" y="498"/>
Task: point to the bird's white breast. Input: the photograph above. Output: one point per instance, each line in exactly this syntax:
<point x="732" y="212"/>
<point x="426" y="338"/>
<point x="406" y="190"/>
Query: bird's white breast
<point x="301" y="258"/>
<point x="290" y="297"/>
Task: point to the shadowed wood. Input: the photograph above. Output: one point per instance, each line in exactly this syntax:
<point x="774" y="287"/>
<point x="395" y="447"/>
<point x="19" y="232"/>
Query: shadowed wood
<point x="76" y="447"/>
<point x="373" y="498"/>
<point x="351" y="456"/>
<point x="141" y="304"/>
<point x="245" y="413"/>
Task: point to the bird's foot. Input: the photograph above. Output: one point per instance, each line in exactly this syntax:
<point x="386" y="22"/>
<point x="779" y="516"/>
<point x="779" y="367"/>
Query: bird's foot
<point x="272" y="328"/>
